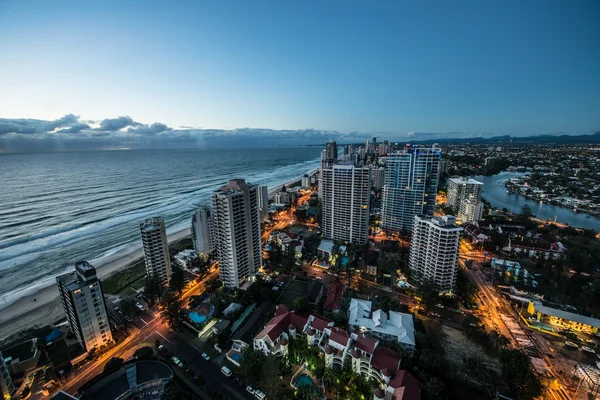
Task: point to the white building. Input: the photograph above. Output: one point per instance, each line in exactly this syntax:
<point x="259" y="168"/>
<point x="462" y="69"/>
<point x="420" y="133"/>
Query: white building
<point x="202" y="231"/>
<point x="185" y="257"/>
<point x="397" y="327"/>
<point x="434" y="250"/>
<point x="411" y="181"/>
<point x="83" y="301"/>
<point x="470" y="210"/>
<point x="378" y="179"/>
<point x="305" y="181"/>
<point x="346" y="196"/>
<point x="463" y="188"/>
<point x="236" y="228"/>
<point x="263" y="202"/>
<point x="283" y="198"/>
<point x="156" y="249"/>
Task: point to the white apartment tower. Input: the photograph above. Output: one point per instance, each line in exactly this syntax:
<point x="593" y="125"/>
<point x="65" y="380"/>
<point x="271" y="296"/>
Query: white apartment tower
<point x="463" y="188"/>
<point x="83" y="301"/>
<point x="470" y="210"/>
<point x="378" y="179"/>
<point x="202" y="230"/>
<point x="237" y="231"/>
<point x="263" y="202"/>
<point x="156" y="249"/>
<point x="346" y="196"/>
<point x="434" y="250"/>
<point x="411" y="180"/>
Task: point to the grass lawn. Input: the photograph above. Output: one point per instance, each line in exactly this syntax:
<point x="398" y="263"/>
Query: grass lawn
<point x="123" y="279"/>
<point x="294" y="290"/>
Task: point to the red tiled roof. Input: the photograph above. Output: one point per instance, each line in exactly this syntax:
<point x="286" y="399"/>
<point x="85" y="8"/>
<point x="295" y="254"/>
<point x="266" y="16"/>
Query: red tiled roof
<point x="384" y="357"/>
<point x="319" y="323"/>
<point x="334" y="297"/>
<point x="406" y="386"/>
<point x="340" y="337"/>
<point x="283" y="319"/>
<point x="366" y="344"/>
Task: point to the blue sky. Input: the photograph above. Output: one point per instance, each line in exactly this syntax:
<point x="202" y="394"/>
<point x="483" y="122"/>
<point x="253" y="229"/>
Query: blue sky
<point x="461" y="67"/>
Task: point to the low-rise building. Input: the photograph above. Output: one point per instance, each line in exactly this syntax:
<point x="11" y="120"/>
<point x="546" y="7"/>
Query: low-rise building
<point x="564" y="319"/>
<point x="186" y="257"/>
<point x="333" y="301"/>
<point x="397" y="327"/>
<point x="325" y="249"/>
<point x="535" y="247"/>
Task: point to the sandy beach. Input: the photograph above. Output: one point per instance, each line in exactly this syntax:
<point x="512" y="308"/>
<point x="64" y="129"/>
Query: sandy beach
<point x="26" y="313"/>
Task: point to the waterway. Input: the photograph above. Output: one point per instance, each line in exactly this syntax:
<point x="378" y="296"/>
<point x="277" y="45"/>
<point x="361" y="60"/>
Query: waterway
<point x="495" y="192"/>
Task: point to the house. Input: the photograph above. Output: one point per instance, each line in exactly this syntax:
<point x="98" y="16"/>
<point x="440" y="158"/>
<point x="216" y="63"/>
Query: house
<point x="533" y="247"/>
<point x="325" y="249"/>
<point x="371" y="260"/>
<point x="333" y="301"/>
<point x="243" y="337"/>
<point x="397" y="327"/>
<point x="403" y="386"/>
<point x="474" y="233"/>
<point x="275" y="336"/>
<point x="286" y="239"/>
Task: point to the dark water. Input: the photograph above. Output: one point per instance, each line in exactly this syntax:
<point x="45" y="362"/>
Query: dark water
<point x="495" y="192"/>
<point x="57" y="208"/>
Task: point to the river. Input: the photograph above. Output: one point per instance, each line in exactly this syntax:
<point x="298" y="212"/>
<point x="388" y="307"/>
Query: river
<point x="495" y="192"/>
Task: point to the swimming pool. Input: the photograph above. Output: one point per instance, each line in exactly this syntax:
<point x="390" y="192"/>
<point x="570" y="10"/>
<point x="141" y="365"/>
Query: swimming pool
<point x="237" y="357"/>
<point x="304" y="380"/>
<point x="197" y="318"/>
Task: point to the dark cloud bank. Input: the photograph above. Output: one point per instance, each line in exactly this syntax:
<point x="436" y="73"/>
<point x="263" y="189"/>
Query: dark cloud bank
<point x="69" y="133"/>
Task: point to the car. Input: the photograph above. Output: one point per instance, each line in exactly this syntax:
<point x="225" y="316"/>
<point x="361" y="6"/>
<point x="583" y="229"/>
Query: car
<point x="225" y="371"/>
<point x="206" y="356"/>
<point x="588" y="349"/>
<point x="259" y="395"/>
<point x="439" y="306"/>
<point x="460" y="312"/>
<point x="571" y="344"/>
<point x="250" y="389"/>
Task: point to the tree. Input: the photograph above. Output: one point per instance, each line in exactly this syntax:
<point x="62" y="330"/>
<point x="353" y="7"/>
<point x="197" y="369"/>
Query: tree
<point x="289" y="258"/>
<point x="427" y="291"/>
<point x="271" y="382"/>
<point x="113" y="363"/>
<point x="251" y="365"/>
<point x="518" y="375"/>
<point x="143" y="352"/>
<point x="275" y="254"/>
<point x="301" y="305"/>
<point x="172" y="309"/>
<point x="525" y="214"/>
<point x="153" y="290"/>
<point x="177" y="281"/>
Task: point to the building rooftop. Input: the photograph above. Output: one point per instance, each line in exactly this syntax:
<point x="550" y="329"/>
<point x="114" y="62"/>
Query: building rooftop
<point x="469" y="181"/>
<point x="334" y="296"/>
<point x="75" y="280"/>
<point x="397" y="324"/>
<point x="566" y="315"/>
<point x="326" y="246"/>
<point x="249" y="329"/>
<point x="151" y="224"/>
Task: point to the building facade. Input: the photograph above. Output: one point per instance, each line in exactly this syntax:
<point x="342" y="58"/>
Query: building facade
<point x="156" y="249"/>
<point x="378" y="179"/>
<point x="346" y="197"/>
<point x="411" y="181"/>
<point x="470" y="210"/>
<point x="7" y="388"/>
<point x="263" y="202"/>
<point x="236" y="228"/>
<point x="83" y="301"/>
<point x="202" y="230"/>
<point x="460" y="189"/>
<point x="434" y="250"/>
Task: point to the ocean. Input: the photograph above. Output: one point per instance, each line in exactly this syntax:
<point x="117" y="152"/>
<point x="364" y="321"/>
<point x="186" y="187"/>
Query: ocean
<point x="59" y="208"/>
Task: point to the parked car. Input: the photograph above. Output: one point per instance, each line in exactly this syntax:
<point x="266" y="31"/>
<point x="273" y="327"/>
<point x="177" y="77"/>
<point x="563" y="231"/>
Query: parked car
<point x="250" y="389"/>
<point x="206" y="356"/>
<point x="259" y="395"/>
<point x="225" y="371"/>
<point x="571" y="344"/>
<point x="588" y="349"/>
<point x="439" y="306"/>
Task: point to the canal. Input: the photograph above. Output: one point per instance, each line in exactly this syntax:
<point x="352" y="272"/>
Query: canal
<point x="495" y="192"/>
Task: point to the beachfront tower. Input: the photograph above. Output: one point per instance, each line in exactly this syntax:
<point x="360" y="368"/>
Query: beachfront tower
<point x="434" y="250"/>
<point x="83" y="301"/>
<point x="7" y="388"/>
<point x="346" y="196"/>
<point x="411" y="181"/>
<point x="156" y="249"/>
<point x="460" y="189"/>
<point x="236" y="228"/>
<point x="263" y="202"/>
<point x="202" y="230"/>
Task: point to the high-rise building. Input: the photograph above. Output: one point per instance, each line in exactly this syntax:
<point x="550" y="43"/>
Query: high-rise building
<point x="7" y="388"/>
<point x="263" y="202"/>
<point x="470" y="210"/>
<point x="411" y="180"/>
<point x="444" y="168"/>
<point x="237" y="231"/>
<point x="346" y="197"/>
<point x="83" y="301"/>
<point x="463" y="188"/>
<point x="382" y="149"/>
<point x="331" y="151"/>
<point x="434" y="250"/>
<point x="202" y="230"/>
<point x="156" y="249"/>
<point x="378" y="179"/>
<point x="374" y="144"/>
<point x="305" y="182"/>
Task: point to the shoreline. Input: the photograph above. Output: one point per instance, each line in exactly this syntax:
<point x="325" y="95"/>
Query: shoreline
<point x="25" y="312"/>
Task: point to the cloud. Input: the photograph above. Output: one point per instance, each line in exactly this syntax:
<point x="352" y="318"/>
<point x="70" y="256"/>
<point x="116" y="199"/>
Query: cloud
<point x="76" y="127"/>
<point x="114" y="124"/>
<point x="35" y="126"/>
<point x="153" y="129"/>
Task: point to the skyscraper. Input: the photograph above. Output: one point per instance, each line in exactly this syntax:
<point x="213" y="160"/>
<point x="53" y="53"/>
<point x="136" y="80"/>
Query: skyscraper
<point x="263" y="202"/>
<point x="202" y="230"/>
<point x="237" y="231"/>
<point x="346" y="197"/>
<point x="411" y="180"/>
<point x="470" y="210"/>
<point x="331" y="152"/>
<point x="463" y="188"/>
<point x="434" y="250"/>
<point x="83" y="301"/>
<point x="156" y="249"/>
<point x="7" y="388"/>
<point x="378" y="179"/>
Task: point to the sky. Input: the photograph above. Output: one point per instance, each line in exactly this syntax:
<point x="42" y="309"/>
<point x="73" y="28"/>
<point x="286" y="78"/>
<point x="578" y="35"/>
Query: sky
<point x="342" y="69"/>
